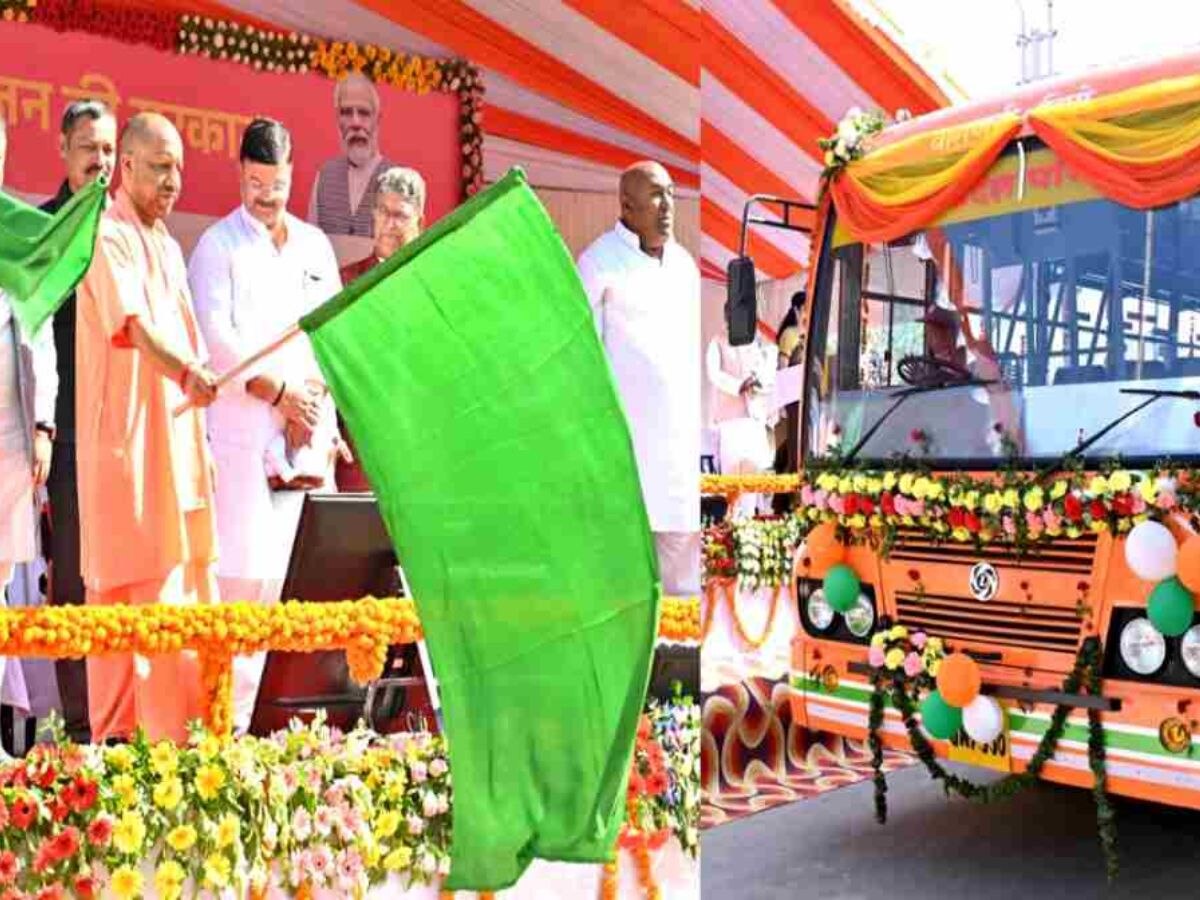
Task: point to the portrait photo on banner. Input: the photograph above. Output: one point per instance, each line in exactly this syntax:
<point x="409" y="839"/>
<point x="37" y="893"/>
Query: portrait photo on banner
<point x="338" y="128"/>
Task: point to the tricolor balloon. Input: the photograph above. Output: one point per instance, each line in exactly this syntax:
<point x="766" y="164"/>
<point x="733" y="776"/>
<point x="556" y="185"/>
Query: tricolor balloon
<point x="983" y="719"/>
<point x="1150" y="551"/>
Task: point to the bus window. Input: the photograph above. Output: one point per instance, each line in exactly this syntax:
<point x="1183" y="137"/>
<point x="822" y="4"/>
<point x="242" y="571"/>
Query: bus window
<point x="1057" y="305"/>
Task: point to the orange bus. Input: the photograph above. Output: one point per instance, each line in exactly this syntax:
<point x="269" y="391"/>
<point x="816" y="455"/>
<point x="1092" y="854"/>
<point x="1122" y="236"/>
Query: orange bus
<point x="1032" y="320"/>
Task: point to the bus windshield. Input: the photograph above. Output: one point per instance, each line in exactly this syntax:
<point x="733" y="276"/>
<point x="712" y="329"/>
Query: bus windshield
<point x="1052" y="295"/>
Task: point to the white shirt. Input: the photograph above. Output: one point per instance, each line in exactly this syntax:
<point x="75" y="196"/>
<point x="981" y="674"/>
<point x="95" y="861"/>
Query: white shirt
<point x="246" y="292"/>
<point x="648" y="313"/>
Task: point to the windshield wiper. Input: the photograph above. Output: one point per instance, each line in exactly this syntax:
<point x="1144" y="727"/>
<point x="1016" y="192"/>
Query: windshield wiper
<point x="902" y="395"/>
<point x="1152" y="395"/>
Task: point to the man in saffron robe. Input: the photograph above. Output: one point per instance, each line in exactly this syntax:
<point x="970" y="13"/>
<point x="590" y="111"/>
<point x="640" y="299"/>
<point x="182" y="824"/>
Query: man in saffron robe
<point x="145" y="475"/>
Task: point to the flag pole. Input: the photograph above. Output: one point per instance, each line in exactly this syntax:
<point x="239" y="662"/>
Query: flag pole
<point x="252" y="359"/>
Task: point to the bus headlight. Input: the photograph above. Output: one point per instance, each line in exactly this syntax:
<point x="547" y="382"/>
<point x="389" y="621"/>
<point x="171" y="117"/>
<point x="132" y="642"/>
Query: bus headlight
<point x="860" y="618"/>
<point x="1189" y="650"/>
<point x="820" y="613"/>
<point x="1143" y="648"/>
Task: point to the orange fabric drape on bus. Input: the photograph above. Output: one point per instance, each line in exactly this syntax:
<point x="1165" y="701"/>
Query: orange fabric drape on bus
<point x="1140" y="147"/>
<point x="904" y="186"/>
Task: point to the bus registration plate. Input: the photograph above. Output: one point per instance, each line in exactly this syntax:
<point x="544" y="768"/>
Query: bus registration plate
<point x="996" y="755"/>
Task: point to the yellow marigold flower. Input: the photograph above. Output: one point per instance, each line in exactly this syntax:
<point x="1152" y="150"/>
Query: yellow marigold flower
<point x="209" y="747"/>
<point x="858" y="521"/>
<point x="1098" y="485"/>
<point x="894" y="658"/>
<point x="387" y="823"/>
<point x="181" y="838"/>
<point x="1120" y="480"/>
<point x="398" y="859"/>
<point x="1148" y="488"/>
<point x="1034" y="499"/>
<point x="228" y="831"/>
<point x="1012" y="499"/>
<point x="209" y="781"/>
<point x="921" y="487"/>
<point x="934" y="645"/>
<point x="934" y="667"/>
<point x="961" y="535"/>
<point x="125" y="789"/>
<point x="898" y="633"/>
<point x="126" y="883"/>
<point x="971" y="499"/>
<point x="168" y="880"/>
<point x="129" y="833"/>
<point x="878" y="639"/>
<point x="119" y="757"/>
<point x="168" y="793"/>
<point x="845" y="485"/>
<point x="1099" y="525"/>
<point x="1073" y="532"/>
<point x="1058" y="490"/>
<point x="860" y="482"/>
<point x="889" y="480"/>
<point x="827" y="481"/>
<point x="164" y="758"/>
<point x="217" y="870"/>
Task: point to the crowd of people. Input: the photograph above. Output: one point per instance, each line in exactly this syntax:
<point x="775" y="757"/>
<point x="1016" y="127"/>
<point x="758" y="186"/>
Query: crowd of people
<point x="170" y="484"/>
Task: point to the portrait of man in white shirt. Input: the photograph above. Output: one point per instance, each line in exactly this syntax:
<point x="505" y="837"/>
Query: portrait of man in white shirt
<point x="644" y="290"/>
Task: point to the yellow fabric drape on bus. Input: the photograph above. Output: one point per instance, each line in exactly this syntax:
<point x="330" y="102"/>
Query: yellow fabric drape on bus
<point x="904" y="186"/>
<point x="1140" y="147"/>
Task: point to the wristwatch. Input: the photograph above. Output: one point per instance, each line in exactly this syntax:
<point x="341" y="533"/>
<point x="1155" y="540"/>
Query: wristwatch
<point x="46" y="427"/>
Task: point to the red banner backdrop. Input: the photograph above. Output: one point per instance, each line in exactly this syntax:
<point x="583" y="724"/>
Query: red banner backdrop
<point x="41" y="71"/>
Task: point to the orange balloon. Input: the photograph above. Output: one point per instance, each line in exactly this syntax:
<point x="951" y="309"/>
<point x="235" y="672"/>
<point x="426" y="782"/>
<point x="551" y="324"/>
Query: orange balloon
<point x="958" y="679"/>
<point x="1188" y="564"/>
<point x="822" y="547"/>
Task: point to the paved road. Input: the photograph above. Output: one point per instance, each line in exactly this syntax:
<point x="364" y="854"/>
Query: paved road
<point x="1039" y="846"/>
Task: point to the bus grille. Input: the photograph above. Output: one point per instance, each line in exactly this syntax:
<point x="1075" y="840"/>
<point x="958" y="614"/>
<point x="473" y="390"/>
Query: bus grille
<point x="1074" y="556"/>
<point x="1021" y="625"/>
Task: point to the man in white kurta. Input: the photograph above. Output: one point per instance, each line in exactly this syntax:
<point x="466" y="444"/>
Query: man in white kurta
<point x="644" y="289"/>
<point x="253" y="274"/>
<point x="742" y="379"/>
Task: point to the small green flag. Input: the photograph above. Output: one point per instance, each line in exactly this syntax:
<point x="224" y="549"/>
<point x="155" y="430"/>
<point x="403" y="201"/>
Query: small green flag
<point x="42" y="256"/>
<point x="476" y="390"/>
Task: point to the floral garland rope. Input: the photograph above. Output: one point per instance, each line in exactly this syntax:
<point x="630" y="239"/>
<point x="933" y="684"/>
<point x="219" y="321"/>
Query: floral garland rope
<point x="276" y="51"/>
<point x="363" y="628"/>
<point x="901" y="685"/>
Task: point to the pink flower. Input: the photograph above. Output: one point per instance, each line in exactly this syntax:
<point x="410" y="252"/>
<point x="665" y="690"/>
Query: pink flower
<point x="837" y="503"/>
<point x="291" y="779"/>
<point x="1034" y="522"/>
<point x="416" y="825"/>
<point x="1010" y="527"/>
<point x="820" y="498"/>
<point x="324" y="821"/>
<point x="312" y="780"/>
<point x="10" y="867"/>
<point x="322" y="864"/>
<point x="349" y="869"/>
<point x="916" y="508"/>
<point x="419" y="771"/>
<point x="806" y="495"/>
<point x="1052" y="519"/>
<point x="901" y="503"/>
<point x="429" y="805"/>
<point x="912" y="665"/>
<point x="335" y="796"/>
<point x="1139" y="504"/>
<point x="1166" y="500"/>
<point x="438" y="767"/>
<point x="918" y="639"/>
<point x="302" y="824"/>
<point x="301" y="866"/>
<point x="875" y="656"/>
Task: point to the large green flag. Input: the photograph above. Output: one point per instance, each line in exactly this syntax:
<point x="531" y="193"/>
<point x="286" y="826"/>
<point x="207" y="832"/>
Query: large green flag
<point x="43" y="256"/>
<point x="476" y="390"/>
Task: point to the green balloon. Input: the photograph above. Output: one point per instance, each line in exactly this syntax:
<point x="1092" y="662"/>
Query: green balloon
<point x="841" y="588"/>
<point x="940" y="718"/>
<point x="1170" y="607"/>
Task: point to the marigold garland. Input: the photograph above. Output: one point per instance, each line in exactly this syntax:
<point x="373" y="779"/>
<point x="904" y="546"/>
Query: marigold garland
<point x="732" y="485"/>
<point x="680" y="619"/>
<point x="610" y="881"/>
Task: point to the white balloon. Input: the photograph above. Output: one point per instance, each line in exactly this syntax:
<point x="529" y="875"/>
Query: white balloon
<point x="983" y="719"/>
<point x="1151" y="552"/>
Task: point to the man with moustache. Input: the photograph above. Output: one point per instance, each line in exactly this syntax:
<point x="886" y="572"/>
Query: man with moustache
<point x="399" y="215"/>
<point x="253" y="274"/>
<point x="644" y="289"/>
<point x="342" y="201"/>
<point x="89" y="149"/>
<point x="145" y="475"/>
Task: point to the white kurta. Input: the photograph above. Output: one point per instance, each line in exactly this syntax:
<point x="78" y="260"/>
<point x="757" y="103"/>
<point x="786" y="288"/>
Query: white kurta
<point x="742" y="420"/>
<point x="648" y="313"/>
<point x="246" y="292"/>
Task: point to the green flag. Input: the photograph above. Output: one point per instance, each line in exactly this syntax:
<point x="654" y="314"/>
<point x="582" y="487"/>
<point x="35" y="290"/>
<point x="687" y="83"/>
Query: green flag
<point x="43" y="256"/>
<point x="476" y="390"/>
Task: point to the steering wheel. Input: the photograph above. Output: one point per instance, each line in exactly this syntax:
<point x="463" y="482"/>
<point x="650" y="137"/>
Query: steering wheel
<point x="930" y="371"/>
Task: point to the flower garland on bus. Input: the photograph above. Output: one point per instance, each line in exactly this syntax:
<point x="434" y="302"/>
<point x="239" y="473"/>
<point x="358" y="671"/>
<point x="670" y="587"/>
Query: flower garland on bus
<point x="275" y="51"/>
<point x="905" y="665"/>
<point x="851" y="140"/>
<point x="318" y="808"/>
<point x="763" y="548"/>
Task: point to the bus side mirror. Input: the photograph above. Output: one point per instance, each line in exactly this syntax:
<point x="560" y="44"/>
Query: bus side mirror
<point x="741" y="301"/>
